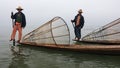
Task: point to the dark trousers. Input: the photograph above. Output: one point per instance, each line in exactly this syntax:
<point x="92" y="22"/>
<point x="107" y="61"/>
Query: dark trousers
<point x="77" y="32"/>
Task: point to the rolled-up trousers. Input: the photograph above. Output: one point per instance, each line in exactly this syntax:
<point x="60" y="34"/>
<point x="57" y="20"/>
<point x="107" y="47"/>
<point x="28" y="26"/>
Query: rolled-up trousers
<point x="17" y="27"/>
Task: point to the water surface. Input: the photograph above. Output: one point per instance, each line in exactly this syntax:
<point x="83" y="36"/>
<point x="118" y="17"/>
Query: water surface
<point x="23" y="56"/>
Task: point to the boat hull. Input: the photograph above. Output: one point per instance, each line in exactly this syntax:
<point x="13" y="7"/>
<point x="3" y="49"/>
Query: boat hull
<point x="96" y="49"/>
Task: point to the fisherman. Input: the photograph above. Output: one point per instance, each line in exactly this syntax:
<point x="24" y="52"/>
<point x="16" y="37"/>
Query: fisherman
<point x="79" y="23"/>
<point x="20" y="22"/>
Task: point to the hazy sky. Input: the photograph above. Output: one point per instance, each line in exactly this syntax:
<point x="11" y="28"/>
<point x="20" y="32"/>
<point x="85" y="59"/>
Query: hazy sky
<point x="96" y="12"/>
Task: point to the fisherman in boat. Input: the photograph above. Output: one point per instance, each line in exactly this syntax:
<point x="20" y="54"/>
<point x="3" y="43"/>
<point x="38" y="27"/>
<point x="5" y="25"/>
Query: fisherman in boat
<point x="79" y="23"/>
<point x="20" y="22"/>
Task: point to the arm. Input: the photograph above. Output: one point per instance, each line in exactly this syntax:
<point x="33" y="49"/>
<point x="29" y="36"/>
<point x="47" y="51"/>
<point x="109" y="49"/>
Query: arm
<point x="74" y="20"/>
<point x="13" y="16"/>
<point x="23" y="21"/>
<point x="13" y="23"/>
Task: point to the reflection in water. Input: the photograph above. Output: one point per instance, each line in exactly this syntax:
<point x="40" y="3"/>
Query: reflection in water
<point x="18" y="59"/>
<point x="51" y="58"/>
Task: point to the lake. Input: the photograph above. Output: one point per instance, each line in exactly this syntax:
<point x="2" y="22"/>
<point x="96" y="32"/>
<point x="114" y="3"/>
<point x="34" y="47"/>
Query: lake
<point x="23" y="56"/>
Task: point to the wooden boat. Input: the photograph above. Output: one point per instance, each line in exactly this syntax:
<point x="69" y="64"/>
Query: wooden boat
<point x="96" y="49"/>
<point x="55" y="34"/>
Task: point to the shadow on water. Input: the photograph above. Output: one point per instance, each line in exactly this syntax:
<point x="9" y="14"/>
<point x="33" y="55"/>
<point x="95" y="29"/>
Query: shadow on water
<point x="18" y="58"/>
<point x="40" y="57"/>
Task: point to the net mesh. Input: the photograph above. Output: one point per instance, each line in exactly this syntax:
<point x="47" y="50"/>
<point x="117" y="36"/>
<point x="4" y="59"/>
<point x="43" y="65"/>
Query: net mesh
<point x="109" y="33"/>
<point x="54" y="31"/>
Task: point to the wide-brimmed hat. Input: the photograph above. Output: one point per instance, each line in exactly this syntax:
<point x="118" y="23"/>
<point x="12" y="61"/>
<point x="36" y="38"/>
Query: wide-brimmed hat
<point x="80" y="11"/>
<point x="19" y="8"/>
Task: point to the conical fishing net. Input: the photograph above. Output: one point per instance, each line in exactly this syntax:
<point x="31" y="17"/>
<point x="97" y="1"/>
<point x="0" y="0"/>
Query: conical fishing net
<point x="109" y="33"/>
<point x="54" y="31"/>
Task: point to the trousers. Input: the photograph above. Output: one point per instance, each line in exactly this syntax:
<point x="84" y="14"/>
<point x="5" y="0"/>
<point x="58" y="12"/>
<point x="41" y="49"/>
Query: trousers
<point x="17" y="27"/>
<point x="77" y="32"/>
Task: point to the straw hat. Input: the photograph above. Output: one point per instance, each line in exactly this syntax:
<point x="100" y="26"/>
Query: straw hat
<point x="80" y="11"/>
<point x="19" y="8"/>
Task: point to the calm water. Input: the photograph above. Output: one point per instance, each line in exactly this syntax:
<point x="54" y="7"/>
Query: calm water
<point x="36" y="57"/>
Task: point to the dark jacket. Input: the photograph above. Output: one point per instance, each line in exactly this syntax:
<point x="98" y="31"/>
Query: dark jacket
<point x="23" y="23"/>
<point x="81" y="21"/>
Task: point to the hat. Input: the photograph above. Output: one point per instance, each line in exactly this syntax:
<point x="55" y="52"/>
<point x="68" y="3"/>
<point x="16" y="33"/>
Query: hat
<point x="80" y="11"/>
<point x="19" y="8"/>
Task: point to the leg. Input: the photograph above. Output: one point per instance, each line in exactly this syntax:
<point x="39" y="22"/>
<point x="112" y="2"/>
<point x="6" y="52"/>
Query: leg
<point x="78" y="33"/>
<point x="19" y="33"/>
<point x="13" y="33"/>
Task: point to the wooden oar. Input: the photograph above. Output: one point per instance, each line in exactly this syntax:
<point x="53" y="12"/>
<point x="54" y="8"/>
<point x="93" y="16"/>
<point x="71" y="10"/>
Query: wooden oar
<point x="13" y="27"/>
<point x="12" y="19"/>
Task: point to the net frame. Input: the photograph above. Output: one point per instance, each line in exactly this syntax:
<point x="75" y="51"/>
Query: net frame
<point x="47" y="33"/>
<point x="109" y="33"/>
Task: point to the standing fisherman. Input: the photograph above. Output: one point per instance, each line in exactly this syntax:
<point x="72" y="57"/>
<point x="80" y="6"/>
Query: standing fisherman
<point x="79" y="23"/>
<point x="20" y="22"/>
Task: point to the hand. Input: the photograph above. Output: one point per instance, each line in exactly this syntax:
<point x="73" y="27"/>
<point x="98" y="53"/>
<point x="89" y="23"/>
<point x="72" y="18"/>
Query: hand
<point x="72" y="21"/>
<point x="11" y="13"/>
